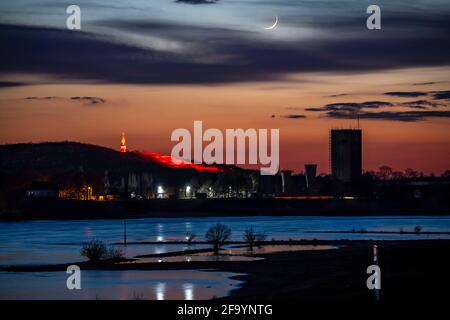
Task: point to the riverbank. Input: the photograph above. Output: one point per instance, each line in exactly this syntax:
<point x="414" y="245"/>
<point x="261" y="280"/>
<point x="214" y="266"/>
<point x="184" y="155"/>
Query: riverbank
<point x="410" y="270"/>
<point x="77" y="209"/>
<point x="414" y="270"/>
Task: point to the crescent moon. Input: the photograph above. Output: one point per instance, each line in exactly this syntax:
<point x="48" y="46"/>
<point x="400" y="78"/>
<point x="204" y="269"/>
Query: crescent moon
<point x="274" y="25"/>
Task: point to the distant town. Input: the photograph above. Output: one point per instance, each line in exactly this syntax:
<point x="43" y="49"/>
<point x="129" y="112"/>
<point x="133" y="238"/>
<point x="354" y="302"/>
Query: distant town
<point x="78" y="172"/>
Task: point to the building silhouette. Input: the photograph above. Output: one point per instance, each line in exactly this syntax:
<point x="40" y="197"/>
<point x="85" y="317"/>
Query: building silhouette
<point x="310" y="174"/>
<point x="346" y="154"/>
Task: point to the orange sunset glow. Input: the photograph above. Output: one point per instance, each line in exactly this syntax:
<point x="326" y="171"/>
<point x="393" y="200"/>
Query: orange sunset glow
<point x="150" y="71"/>
<point x="148" y="114"/>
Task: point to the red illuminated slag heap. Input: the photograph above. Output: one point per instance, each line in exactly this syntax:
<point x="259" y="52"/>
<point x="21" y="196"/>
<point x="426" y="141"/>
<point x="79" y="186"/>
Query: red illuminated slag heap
<point x="168" y="161"/>
<point x="123" y="146"/>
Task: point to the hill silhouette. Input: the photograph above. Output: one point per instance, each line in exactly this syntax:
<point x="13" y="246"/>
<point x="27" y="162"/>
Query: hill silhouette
<point x="68" y="156"/>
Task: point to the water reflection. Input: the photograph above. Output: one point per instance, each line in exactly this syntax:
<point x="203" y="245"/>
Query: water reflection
<point x="195" y="258"/>
<point x="266" y="249"/>
<point x="160" y="290"/>
<point x="234" y="254"/>
<point x="188" y="289"/>
<point x="49" y="241"/>
<point x="118" y="285"/>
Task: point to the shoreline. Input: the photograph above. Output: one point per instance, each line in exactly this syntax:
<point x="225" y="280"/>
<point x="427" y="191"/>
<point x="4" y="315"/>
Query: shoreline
<point x="410" y="270"/>
<point x="19" y="217"/>
<point x="413" y="269"/>
<point x="44" y="209"/>
<point x="111" y="264"/>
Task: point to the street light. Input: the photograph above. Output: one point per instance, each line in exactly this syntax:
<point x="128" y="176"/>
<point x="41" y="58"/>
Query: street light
<point x="160" y="191"/>
<point x="188" y="191"/>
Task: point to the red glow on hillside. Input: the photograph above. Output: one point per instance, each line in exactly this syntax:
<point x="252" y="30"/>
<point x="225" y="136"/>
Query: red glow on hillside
<point x="168" y="161"/>
<point x="304" y="197"/>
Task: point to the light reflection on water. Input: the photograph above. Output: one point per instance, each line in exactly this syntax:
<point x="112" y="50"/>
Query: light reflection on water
<point x="160" y="289"/>
<point x="118" y="285"/>
<point x="188" y="289"/>
<point x="233" y="254"/>
<point x="50" y="241"/>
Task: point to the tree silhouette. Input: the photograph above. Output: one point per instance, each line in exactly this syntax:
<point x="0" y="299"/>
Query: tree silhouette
<point x="217" y="235"/>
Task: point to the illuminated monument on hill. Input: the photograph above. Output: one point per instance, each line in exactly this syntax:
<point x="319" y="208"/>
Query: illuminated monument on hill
<point x="167" y="161"/>
<point x="123" y="146"/>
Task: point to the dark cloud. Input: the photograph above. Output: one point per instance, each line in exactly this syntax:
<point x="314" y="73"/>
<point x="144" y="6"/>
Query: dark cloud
<point x="84" y="99"/>
<point x="90" y="100"/>
<point x="294" y="116"/>
<point x="197" y="1"/>
<point x="7" y="84"/>
<point x="406" y="94"/>
<point x="359" y="105"/>
<point x="338" y="95"/>
<point x="422" y="104"/>
<point x="411" y="94"/>
<point x="351" y="107"/>
<point x="42" y="98"/>
<point x="424" y="83"/>
<point x="353" y="110"/>
<point x="209" y="55"/>
<point x="314" y="109"/>
<point x="441" y="94"/>
<point x="405" y="116"/>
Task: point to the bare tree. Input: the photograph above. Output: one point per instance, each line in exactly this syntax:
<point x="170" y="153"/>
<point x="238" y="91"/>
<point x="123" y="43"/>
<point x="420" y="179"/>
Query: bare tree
<point x="398" y="175"/>
<point x="250" y="236"/>
<point x="217" y="235"/>
<point x="385" y="172"/>
<point x="94" y="250"/>
<point x="410" y="173"/>
<point x="260" y="237"/>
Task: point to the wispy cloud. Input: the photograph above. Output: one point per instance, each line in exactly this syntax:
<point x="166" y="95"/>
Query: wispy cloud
<point x="197" y="1"/>
<point x="351" y="106"/>
<point x="338" y="95"/>
<point x="7" y="84"/>
<point x="85" y="99"/>
<point x="441" y="94"/>
<point x="405" y="116"/>
<point x="423" y="104"/>
<point x="425" y="83"/>
<point x="406" y="94"/>
<point x="363" y="110"/>
<point x="294" y="116"/>
<point x="90" y="100"/>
